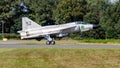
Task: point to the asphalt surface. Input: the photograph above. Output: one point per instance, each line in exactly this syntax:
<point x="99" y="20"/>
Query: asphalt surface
<point x="9" y="44"/>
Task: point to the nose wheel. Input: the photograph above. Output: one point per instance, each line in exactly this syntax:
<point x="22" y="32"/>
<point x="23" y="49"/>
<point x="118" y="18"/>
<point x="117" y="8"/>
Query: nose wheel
<point x="50" y="43"/>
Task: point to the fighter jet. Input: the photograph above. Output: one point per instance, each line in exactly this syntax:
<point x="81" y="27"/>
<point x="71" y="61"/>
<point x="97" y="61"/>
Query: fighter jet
<point x="32" y="30"/>
<point x="21" y="8"/>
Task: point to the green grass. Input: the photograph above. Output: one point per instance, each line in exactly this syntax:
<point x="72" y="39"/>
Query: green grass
<point x="43" y="42"/>
<point x="104" y="41"/>
<point x="70" y="41"/>
<point x="59" y="58"/>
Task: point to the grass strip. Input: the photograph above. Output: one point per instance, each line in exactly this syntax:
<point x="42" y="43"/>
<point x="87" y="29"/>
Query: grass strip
<point x="59" y="58"/>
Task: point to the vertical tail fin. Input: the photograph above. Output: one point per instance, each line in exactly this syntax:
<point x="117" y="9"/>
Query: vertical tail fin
<point x="28" y="23"/>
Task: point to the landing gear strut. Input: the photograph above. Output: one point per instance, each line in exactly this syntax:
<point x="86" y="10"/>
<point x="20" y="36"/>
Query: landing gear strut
<point x="50" y="41"/>
<point x="81" y="38"/>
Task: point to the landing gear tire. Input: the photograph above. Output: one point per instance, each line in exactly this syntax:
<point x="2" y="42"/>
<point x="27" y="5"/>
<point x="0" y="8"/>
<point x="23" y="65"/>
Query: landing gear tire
<point x="50" y="43"/>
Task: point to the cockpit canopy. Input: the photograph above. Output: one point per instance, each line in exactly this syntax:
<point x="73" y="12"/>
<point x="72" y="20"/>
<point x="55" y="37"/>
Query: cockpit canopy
<point x="80" y="22"/>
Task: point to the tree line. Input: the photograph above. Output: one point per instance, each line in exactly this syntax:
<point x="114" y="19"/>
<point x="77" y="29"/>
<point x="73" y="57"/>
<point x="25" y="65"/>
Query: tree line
<point x="50" y="12"/>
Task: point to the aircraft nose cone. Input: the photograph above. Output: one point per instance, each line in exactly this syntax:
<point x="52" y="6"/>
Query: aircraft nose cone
<point x="96" y="26"/>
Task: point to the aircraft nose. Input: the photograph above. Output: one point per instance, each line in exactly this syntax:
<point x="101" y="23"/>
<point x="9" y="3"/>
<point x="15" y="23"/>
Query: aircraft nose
<point x="96" y="26"/>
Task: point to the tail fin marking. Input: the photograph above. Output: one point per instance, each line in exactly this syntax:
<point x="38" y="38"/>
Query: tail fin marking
<point x="28" y="24"/>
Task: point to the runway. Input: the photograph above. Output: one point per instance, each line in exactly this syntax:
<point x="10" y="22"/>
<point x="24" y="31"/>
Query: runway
<point x="10" y="44"/>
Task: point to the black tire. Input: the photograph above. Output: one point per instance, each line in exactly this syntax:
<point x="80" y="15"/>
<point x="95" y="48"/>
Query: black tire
<point x="48" y="43"/>
<point x="52" y="42"/>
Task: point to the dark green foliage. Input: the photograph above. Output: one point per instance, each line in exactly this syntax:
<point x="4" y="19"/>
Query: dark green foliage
<point x="70" y="10"/>
<point x="111" y="21"/>
<point x="10" y="36"/>
<point x="94" y="34"/>
<point x="17" y="26"/>
<point x="42" y="11"/>
<point x="94" y="14"/>
<point x="0" y="37"/>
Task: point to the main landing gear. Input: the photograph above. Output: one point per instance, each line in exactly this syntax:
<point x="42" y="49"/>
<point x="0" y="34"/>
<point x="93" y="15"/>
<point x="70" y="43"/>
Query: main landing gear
<point x="50" y="41"/>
